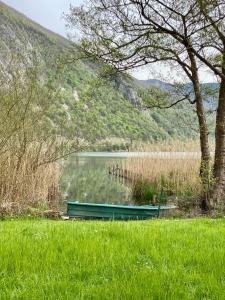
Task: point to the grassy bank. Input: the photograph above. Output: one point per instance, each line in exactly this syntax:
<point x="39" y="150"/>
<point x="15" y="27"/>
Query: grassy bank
<point x="176" y="259"/>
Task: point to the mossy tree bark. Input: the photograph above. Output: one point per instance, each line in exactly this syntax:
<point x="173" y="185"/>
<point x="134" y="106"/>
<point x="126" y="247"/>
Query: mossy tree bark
<point x="205" y="168"/>
<point x="218" y="191"/>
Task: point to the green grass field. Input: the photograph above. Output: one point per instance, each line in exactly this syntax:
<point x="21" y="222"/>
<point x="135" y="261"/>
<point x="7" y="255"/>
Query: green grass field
<point x="160" y="259"/>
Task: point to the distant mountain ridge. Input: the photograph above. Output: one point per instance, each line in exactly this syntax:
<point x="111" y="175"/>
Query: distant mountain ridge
<point x="156" y="83"/>
<point x="168" y="86"/>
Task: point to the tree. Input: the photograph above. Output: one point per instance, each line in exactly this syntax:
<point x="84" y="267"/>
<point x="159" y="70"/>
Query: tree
<point x="129" y="33"/>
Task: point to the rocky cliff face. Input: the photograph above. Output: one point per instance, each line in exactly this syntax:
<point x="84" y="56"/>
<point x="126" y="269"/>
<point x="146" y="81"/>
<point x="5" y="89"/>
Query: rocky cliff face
<point x="126" y="87"/>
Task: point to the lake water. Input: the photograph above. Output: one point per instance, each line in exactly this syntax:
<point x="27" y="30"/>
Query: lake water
<point x="86" y="178"/>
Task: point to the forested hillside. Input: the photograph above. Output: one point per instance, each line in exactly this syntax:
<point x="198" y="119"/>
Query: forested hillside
<point x="89" y="108"/>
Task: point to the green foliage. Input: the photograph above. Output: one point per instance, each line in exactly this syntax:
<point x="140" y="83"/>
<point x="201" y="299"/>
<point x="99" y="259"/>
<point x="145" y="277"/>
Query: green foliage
<point x="173" y="259"/>
<point x="143" y="192"/>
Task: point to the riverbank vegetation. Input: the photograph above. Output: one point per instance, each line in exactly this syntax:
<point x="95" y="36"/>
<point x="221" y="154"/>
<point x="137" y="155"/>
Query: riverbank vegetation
<point x="172" y="168"/>
<point x="26" y="188"/>
<point x="175" y="259"/>
<point x="176" y="174"/>
<point x="178" y="177"/>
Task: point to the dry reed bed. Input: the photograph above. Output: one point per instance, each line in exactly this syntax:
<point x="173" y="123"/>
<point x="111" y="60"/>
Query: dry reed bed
<point x="179" y="175"/>
<point x="171" y="146"/>
<point x="25" y="184"/>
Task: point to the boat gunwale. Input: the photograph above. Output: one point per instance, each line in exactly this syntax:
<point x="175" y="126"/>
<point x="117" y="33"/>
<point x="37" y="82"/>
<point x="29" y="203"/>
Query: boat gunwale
<point x="144" y="207"/>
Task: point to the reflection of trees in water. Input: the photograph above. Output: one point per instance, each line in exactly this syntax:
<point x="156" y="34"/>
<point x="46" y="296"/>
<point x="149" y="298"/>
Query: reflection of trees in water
<point x="86" y="179"/>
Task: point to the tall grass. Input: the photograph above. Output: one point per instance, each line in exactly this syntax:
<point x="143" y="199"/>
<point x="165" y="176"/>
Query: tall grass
<point x="26" y="184"/>
<point x="171" y="145"/>
<point x="178" y="175"/>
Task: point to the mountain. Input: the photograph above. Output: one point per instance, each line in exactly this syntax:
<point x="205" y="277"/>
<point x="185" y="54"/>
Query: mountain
<point x="94" y="110"/>
<point x="168" y="86"/>
<point x="155" y="83"/>
<point x="209" y="90"/>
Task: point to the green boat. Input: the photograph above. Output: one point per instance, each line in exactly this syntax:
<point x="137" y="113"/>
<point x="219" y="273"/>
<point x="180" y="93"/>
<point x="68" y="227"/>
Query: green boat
<point x="115" y="212"/>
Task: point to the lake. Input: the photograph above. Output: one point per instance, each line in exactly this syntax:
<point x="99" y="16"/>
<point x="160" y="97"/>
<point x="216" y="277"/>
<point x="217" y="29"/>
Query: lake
<point x="85" y="176"/>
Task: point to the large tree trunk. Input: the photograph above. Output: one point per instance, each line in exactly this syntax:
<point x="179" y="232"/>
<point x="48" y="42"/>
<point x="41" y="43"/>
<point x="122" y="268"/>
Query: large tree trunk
<point x="218" y="192"/>
<point x="205" y="168"/>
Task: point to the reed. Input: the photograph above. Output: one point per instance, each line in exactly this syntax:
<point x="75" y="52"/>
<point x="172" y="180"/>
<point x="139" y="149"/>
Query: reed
<point x="27" y="185"/>
<point x="179" y="176"/>
<point x="172" y="145"/>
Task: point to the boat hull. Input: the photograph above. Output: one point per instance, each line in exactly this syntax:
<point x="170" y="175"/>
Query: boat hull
<point x="114" y="212"/>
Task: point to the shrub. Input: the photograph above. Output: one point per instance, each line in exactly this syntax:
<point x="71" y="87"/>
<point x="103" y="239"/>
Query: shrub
<point x="144" y="193"/>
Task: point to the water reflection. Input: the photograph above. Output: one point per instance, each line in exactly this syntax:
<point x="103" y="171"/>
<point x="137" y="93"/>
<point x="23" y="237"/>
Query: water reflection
<point x="85" y="179"/>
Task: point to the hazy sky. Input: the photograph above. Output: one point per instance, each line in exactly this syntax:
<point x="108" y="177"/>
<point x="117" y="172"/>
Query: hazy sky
<point x="49" y="13"/>
<point x="45" y="12"/>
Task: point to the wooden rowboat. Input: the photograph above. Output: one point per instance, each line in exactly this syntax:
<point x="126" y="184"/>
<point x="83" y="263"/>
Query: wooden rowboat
<point x="115" y="212"/>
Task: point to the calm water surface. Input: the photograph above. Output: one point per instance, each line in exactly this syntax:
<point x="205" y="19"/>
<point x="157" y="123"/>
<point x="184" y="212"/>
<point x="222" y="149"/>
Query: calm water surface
<point x="86" y="178"/>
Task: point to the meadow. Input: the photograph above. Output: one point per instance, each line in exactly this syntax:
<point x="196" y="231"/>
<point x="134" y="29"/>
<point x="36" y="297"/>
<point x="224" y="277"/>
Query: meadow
<point x="157" y="259"/>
